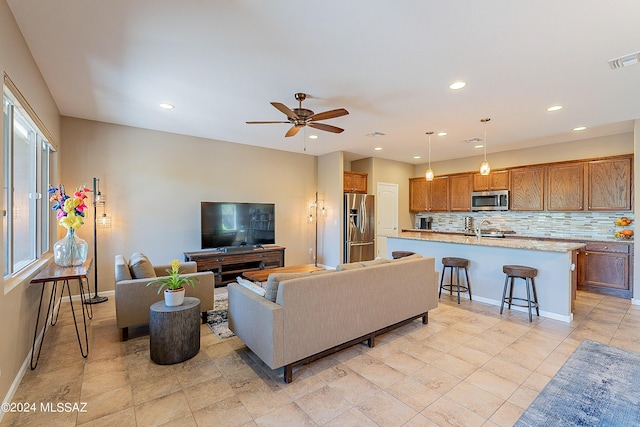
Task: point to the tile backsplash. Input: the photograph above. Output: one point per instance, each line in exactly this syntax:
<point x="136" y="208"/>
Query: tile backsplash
<point x="565" y="225"/>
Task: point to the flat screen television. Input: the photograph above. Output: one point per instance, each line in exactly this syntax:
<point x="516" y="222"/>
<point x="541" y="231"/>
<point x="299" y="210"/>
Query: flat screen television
<point x="225" y="224"/>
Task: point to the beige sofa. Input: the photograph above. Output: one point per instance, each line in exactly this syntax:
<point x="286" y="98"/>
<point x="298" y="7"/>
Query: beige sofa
<point x="316" y="314"/>
<point x="134" y="297"/>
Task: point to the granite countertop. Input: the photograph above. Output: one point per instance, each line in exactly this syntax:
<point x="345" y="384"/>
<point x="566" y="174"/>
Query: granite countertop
<point x="521" y="243"/>
<point x="558" y="237"/>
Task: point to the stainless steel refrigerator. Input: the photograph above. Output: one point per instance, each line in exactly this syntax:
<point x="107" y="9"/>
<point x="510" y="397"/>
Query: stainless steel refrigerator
<point x="359" y="227"/>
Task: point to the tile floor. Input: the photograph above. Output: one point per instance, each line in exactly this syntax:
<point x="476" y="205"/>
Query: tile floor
<point x="468" y="367"/>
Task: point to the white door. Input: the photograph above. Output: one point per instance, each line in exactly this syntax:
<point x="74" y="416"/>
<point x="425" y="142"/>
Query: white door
<point x="386" y="214"/>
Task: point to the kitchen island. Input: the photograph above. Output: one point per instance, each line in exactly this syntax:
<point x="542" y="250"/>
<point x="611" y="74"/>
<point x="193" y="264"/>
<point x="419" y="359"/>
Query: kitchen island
<point x="555" y="261"/>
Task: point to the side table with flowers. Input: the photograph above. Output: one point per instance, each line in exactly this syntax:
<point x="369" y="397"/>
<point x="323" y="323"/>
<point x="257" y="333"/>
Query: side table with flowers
<point x="71" y="250"/>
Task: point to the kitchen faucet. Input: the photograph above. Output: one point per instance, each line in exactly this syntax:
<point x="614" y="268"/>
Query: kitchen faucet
<point x="479" y="227"/>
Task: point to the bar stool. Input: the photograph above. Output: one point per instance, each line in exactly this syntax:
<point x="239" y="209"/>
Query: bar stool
<point x="456" y="263"/>
<point x="401" y="254"/>
<point x="527" y="274"/>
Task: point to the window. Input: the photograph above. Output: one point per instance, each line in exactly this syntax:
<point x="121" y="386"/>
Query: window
<point x="26" y="213"/>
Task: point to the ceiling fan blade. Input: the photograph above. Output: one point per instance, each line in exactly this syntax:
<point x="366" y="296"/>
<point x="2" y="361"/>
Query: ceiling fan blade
<point x="262" y="123"/>
<point x="329" y="114"/>
<point x="326" y="127"/>
<point x="286" y="110"/>
<point x="294" y="130"/>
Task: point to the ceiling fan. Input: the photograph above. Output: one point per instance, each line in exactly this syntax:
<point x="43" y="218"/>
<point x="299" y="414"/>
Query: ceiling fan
<point x="301" y="117"/>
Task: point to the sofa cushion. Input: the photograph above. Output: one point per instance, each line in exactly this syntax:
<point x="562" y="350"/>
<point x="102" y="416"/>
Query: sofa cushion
<point x="274" y="279"/>
<point x="251" y="286"/>
<point x="377" y="261"/>
<point x="141" y="267"/>
<point x="122" y="271"/>
<point x="349" y="266"/>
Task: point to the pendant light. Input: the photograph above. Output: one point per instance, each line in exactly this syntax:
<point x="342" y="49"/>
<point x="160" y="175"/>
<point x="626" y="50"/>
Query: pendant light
<point x="429" y="174"/>
<point x="485" y="168"/>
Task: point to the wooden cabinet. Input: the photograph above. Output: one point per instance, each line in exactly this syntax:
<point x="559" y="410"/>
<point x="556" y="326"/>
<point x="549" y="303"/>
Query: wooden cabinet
<point x="498" y="180"/>
<point x="527" y="189"/>
<point x="226" y="266"/>
<point x="355" y="182"/>
<point x="609" y="186"/>
<point x="432" y="196"/>
<point x="417" y="194"/>
<point x="460" y="190"/>
<point x="606" y="268"/>
<point x="565" y="187"/>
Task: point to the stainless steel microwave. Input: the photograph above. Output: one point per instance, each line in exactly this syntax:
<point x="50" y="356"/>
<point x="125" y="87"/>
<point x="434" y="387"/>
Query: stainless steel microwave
<point x="490" y="200"/>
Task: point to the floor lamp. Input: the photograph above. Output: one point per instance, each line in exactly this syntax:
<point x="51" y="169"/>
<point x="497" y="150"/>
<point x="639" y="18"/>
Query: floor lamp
<point x="98" y="198"/>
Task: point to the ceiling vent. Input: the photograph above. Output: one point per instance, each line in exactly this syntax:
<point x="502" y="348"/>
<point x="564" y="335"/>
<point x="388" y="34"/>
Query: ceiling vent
<point x="625" y="61"/>
<point x="375" y="133"/>
<point x="473" y="140"/>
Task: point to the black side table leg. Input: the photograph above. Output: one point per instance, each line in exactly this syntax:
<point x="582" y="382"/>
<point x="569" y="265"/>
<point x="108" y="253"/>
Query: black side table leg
<point x="85" y="352"/>
<point x="52" y="299"/>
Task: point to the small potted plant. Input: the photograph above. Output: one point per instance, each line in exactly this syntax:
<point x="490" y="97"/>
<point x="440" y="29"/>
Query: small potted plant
<point x="174" y="294"/>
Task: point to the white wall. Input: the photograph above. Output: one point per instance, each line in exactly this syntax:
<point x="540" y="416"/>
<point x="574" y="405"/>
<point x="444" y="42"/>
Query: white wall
<point x="583" y="149"/>
<point x="155" y="181"/>
<point x="19" y="306"/>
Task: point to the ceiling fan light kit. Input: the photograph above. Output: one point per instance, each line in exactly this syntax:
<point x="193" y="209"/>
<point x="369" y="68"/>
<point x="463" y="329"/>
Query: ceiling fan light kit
<point x="300" y="117"/>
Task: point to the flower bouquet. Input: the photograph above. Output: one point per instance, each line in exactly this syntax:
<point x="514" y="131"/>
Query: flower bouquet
<point x="71" y="250"/>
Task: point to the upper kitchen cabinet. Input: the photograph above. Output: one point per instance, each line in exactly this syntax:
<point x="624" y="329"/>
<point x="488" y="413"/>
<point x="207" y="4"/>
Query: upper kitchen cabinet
<point x="432" y="196"/>
<point x="565" y="187"/>
<point x="417" y="194"/>
<point x="609" y="186"/>
<point x="527" y="188"/>
<point x="498" y="180"/>
<point x="461" y="186"/>
<point x="355" y="182"/>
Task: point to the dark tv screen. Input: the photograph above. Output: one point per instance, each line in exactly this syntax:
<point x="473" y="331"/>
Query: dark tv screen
<point x="226" y="224"/>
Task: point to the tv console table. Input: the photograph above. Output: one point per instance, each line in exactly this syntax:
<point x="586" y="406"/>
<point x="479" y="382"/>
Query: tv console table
<point x="226" y="266"/>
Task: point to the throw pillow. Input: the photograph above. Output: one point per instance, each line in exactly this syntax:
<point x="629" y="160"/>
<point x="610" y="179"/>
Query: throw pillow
<point x="273" y="282"/>
<point x="141" y="267"/>
<point x="122" y="271"/>
<point x="251" y="286"/>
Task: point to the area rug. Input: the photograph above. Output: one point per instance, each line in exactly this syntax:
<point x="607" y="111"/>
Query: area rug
<point x="597" y="386"/>
<point x="218" y="318"/>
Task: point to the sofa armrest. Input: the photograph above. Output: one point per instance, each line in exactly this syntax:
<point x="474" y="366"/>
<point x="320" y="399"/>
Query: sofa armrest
<point x="258" y="322"/>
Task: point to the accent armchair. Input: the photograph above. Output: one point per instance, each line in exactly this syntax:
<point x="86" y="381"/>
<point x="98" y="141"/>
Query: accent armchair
<point x="134" y="297"/>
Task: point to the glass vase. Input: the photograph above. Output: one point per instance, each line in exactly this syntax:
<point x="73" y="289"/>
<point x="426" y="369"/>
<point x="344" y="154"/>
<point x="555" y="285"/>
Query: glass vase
<point x="71" y="250"/>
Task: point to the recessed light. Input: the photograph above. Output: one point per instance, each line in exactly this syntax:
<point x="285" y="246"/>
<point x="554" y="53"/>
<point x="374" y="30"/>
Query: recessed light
<point x="457" y="85"/>
<point x="478" y="146"/>
<point x="416" y="157"/>
<point x="313" y="136"/>
<point x="442" y="133"/>
<point x="166" y="106"/>
<point x="579" y="128"/>
<point x="554" y="108"/>
<point x="378" y="149"/>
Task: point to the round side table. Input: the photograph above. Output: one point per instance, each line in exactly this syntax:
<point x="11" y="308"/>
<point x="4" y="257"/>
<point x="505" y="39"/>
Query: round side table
<point x="174" y="332"/>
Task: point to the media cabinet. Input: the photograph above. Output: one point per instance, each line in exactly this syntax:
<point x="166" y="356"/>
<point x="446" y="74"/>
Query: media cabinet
<point x="227" y="265"/>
